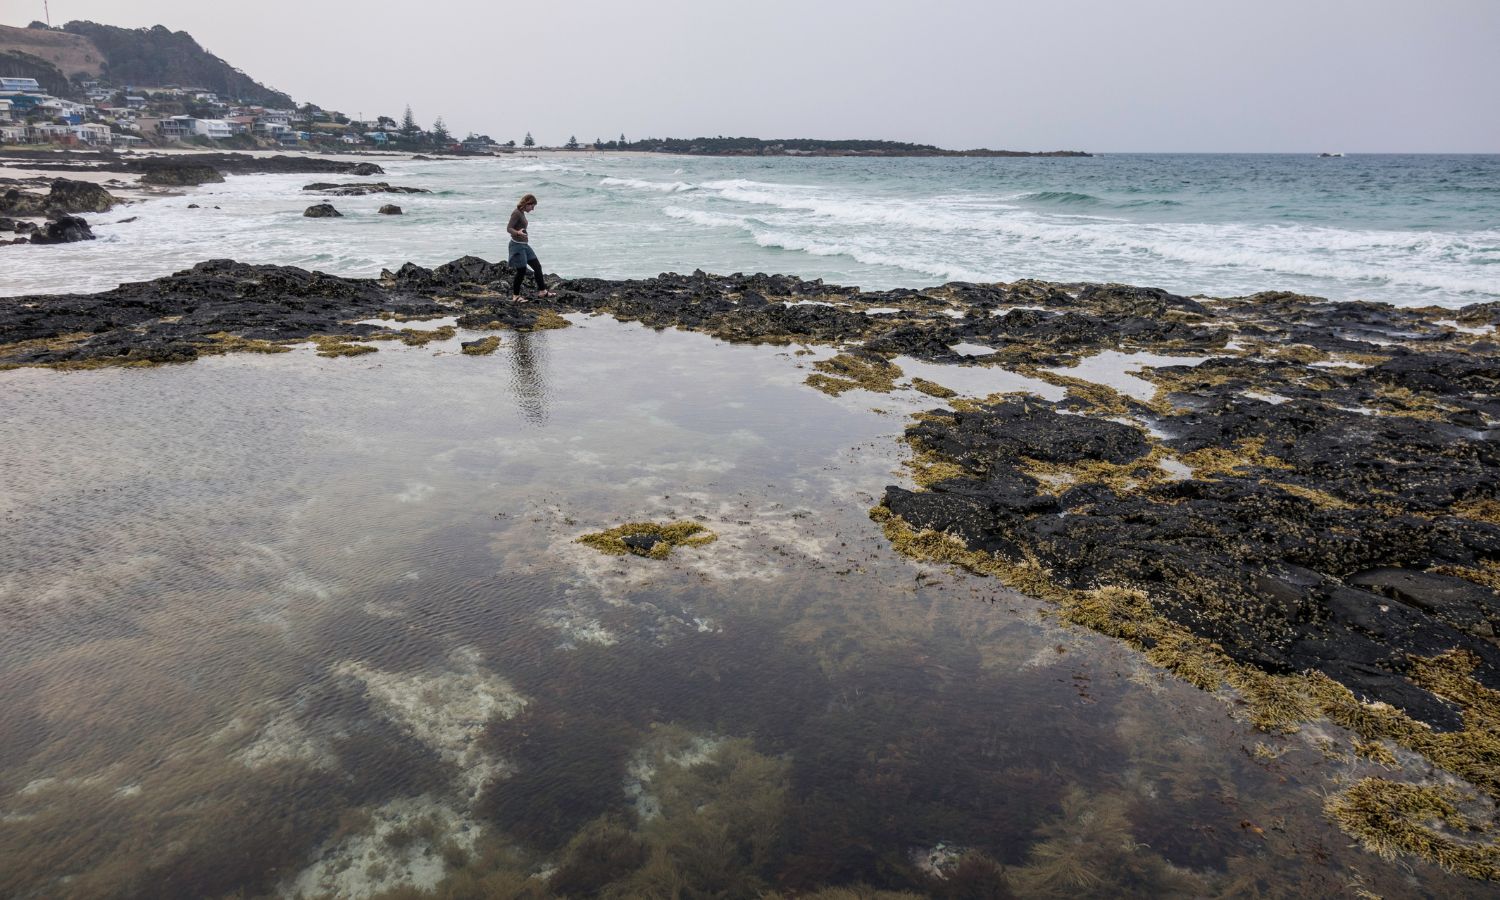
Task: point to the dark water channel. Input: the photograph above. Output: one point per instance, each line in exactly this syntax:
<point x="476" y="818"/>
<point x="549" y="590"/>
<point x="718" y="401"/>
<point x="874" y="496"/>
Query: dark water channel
<point x="283" y="624"/>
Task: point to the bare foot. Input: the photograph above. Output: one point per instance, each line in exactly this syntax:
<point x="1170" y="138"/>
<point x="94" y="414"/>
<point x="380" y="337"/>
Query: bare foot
<point x="546" y="294"/>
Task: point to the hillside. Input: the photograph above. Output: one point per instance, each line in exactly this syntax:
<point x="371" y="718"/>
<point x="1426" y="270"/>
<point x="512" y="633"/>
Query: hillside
<point x="136" y="56"/>
<point x="72" y="54"/>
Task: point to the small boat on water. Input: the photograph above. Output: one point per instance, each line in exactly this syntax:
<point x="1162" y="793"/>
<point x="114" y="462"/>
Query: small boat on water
<point x="1330" y="156"/>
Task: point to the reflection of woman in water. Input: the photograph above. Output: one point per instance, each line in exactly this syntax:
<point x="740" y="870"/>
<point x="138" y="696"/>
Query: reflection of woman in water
<point x="526" y="378"/>
<point x="521" y="255"/>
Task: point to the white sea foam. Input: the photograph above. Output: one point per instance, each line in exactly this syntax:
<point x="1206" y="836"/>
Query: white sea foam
<point x="665" y="187"/>
<point x="897" y="223"/>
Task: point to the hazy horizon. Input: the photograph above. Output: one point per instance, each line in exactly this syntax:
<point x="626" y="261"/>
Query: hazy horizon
<point x="1160" y="76"/>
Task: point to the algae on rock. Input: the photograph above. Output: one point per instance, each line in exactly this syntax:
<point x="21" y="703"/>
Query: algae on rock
<point x="860" y="369"/>
<point x="649" y="539"/>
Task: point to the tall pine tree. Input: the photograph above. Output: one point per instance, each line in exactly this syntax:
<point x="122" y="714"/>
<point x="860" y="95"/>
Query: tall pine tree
<point x="409" y="127"/>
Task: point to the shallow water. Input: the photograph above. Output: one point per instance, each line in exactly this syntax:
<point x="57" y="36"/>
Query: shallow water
<point x="1404" y="229"/>
<point x="279" y="624"/>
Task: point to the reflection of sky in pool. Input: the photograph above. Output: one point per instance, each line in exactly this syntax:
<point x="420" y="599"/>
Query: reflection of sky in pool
<point x="287" y="623"/>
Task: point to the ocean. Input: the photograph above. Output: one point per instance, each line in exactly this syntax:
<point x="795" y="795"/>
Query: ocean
<point x="1408" y="230"/>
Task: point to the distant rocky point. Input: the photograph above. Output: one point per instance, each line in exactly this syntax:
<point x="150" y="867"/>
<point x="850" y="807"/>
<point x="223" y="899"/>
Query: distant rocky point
<point x="749" y="146"/>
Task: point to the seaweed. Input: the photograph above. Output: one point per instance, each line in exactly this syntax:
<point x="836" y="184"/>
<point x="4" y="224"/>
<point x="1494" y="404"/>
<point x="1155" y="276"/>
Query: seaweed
<point x="933" y="389"/>
<point x="335" y="345"/>
<point x="481" y="347"/>
<point x="1390" y="818"/>
<point x="860" y="369"/>
<point x="648" y="539"/>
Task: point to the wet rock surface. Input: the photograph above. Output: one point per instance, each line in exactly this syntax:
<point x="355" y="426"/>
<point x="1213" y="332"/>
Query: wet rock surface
<point x="1318" y="493"/>
<point x="62" y="230"/>
<point x="181" y="175"/>
<point x="222" y="163"/>
<point x="64" y="196"/>
<point x="359" y="189"/>
<point x="322" y="211"/>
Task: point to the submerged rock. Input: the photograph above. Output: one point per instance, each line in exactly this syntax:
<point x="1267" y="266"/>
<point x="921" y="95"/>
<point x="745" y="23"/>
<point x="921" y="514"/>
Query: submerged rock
<point x="390" y="209"/>
<point x="321" y="211"/>
<point x="649" y="539"/>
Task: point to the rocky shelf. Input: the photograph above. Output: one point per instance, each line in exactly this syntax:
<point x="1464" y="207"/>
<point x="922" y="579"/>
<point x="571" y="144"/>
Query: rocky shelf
<point x="1295" y="499"/>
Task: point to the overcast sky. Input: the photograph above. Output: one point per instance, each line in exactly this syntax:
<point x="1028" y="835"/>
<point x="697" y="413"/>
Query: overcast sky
<point x="1103" y="75"/>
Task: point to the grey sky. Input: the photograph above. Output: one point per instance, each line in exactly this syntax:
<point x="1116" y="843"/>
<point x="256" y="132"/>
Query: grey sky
<point x="1105" y="75"/>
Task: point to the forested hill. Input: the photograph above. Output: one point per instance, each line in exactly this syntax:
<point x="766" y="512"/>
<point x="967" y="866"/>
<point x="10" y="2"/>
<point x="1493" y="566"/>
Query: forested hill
<point x="159" y="55"/>
<point x="144" y="56"/>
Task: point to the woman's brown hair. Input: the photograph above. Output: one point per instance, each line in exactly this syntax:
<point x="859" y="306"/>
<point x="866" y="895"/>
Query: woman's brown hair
<point x="525" y="199"/>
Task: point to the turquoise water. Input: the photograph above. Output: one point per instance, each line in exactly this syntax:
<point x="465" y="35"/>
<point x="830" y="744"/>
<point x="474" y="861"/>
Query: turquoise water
<point x="1409" y="230"/>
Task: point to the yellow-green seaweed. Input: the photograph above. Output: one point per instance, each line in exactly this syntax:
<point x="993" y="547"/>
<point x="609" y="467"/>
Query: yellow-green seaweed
<point x="669" y="536"/>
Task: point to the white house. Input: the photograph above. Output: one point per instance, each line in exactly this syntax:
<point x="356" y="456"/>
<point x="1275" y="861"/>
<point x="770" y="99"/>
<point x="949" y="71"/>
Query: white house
<point x="12" y="134"/>
<point x="20" y="84"/>
<point x="93" y="133"/>
<point x="218" y="129"/>
<point x="5" y="110"/>
<point x="50" y="134"/>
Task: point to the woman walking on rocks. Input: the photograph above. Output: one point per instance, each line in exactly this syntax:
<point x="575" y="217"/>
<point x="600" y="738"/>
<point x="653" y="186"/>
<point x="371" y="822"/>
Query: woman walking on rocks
<point x="521" y="255"/>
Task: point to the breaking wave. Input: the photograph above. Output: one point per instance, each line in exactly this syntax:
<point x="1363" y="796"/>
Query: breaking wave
<point x="665" y="187"/>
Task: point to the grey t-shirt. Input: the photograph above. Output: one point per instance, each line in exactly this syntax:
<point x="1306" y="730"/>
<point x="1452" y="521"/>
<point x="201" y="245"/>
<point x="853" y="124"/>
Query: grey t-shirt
<point x="517" y="223"/>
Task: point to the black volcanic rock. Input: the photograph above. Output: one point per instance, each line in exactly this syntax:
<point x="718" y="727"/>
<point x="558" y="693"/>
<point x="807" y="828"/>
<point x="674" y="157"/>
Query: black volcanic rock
<point x="63" y="230"/>
<point x="322" y="211"/>
<point x="70" y="196"/>
<point x="358" y="189"/>
<point x="390" y="209"/>
<point x="16" y="202"/>
<point x="180" y="175"/>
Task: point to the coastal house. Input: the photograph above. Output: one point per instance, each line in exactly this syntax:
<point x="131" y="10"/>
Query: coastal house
<point x="25" y="104"/>
<point x="275" y="116"/>
<point x="51" y="134"/>
<point x="176" y="128"/>
<point x="27" y="85"/>
<point x="6" y="109"/>
<point x="135" y="102"/>
<point x="70" y="112"/>
<point x="12" y="134"/>
<point x="218" y="129"/>
<point x="351" y="139"/>
<point x="93" y="134"/>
